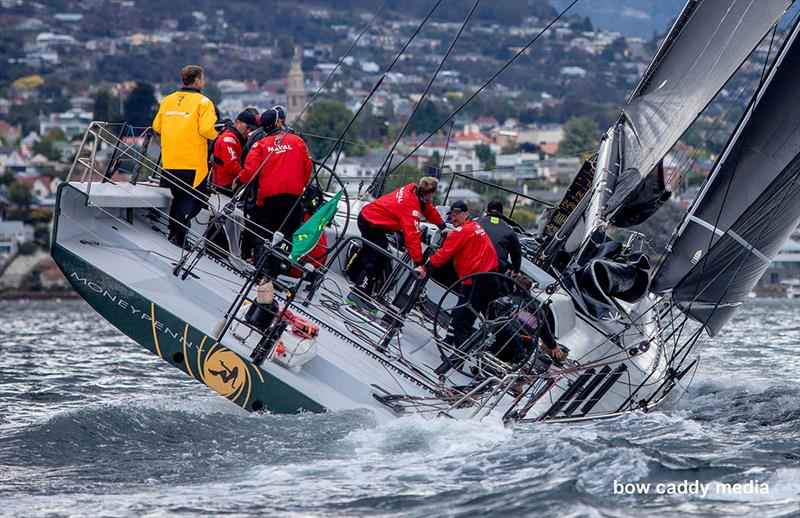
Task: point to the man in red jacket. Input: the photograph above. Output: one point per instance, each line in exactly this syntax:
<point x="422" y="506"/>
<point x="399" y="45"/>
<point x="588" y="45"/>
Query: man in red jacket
<point x="228" y="149"/>
<point x="283" y="168"/>
<point x="472" y="252"/>
<point x="398" y="211"/>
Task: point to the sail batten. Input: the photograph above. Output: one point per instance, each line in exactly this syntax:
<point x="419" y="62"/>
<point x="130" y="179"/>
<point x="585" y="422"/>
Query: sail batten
<point x="749" y="206"/>
<point x="704" y="48"/>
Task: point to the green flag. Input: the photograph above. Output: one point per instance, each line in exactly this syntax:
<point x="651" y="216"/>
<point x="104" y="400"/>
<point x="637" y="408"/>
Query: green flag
<point x="307" y="236"/>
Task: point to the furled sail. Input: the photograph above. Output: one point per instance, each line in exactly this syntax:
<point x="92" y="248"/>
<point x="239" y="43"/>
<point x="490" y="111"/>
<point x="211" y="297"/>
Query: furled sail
<point x="749" y="206"/>
<point x="708" y="42"/>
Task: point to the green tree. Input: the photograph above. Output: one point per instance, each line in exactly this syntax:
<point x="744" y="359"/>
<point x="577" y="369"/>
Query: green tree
<point x="104" y="106"/>
<point x="580" y="136"/>
<point x="8" y="177"/>
<point x="20" y="195"/>
<point x="41" y="234"/>
<point x="403" y="175"/>
<point x="372" y="128"/>
<point x="46" y="144"/>
<point x="388" y="109"/>
<point x="285" y="47"/>
<point x="140" y="105"/>
<point x="28" y="248"/>
<point x="323" y="121"/>
<point x="486" y="156"/>
<point x="212" y="91"/>
<point x="426" y="119"/>
<point x="27" y="114"/>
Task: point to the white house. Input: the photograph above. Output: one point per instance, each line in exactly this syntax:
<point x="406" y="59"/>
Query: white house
<point x="12" y="234"/>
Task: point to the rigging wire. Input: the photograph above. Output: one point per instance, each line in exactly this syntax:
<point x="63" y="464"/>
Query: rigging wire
<point x="378" y="183"/>
<point x="341" y="60"/>
<point x="489" y="81"/>
<point x="380" y="80"/>
<point x="697" y="292"/>
<point x="687" y="162"/>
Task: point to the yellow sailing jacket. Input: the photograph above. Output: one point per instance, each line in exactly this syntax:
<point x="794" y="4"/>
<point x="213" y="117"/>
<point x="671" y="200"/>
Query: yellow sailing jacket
<point x="185" y="121"/>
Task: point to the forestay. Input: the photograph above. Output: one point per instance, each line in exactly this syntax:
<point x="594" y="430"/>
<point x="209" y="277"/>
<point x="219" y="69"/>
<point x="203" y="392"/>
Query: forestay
<point x="747" y="209"/>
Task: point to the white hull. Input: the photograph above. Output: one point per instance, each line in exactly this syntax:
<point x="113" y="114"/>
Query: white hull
<point x="107" y="235"/>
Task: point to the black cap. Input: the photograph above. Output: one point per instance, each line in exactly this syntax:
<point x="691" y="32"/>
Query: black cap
<point x="459" y="206"/>
<point x="495" y="206"/>
<point x="270" y="117"/>
<point x="248" y="118"/>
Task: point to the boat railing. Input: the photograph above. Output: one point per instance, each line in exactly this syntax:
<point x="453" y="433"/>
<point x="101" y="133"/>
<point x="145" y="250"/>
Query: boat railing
<point x="406" y="296"/>
<point x="118" y="153"/>
<point x="106" y="148"/>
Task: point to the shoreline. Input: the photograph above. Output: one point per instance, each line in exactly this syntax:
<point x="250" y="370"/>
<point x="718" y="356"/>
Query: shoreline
<point x="38" y="295"/>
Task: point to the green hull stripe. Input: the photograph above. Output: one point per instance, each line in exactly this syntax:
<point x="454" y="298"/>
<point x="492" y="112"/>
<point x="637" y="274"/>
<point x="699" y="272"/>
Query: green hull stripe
<point x="178" y="343"/>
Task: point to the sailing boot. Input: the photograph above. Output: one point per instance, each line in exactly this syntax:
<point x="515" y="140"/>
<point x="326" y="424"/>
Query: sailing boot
<point x="357" y="296"/>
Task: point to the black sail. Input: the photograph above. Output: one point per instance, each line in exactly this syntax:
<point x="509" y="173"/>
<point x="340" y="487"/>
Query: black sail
<point x="706" y="45"/>
<point x="747" y="209"/>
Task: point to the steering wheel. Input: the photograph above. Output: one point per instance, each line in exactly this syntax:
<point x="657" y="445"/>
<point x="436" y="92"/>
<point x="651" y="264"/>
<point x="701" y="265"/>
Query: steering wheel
<point x="499" y="322"/>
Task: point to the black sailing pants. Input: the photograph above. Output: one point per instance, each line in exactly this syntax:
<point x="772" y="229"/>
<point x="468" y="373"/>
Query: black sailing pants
<point x="270" y="215"/>
<point x="187" y="201"/>
<point x="474" y="298"/>
<point x="369" y="263"/>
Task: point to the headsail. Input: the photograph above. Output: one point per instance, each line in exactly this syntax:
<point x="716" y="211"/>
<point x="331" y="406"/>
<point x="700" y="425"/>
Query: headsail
<point x="706" y="45"/>
<point x="748" y="207"/>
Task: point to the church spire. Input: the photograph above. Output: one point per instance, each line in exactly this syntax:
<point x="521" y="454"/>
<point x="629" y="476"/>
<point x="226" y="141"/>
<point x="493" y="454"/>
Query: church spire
<point x="296" y="88"/>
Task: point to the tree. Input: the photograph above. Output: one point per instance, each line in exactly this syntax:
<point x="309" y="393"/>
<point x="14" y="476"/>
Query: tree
<point x="8" y="177"/>
<point x="426" y="119"/>
<point x="388" y="109"/>
<point x="372" y="128"/>
<point x="104" y="106"/>
<point x="140" y="105"/>
<point x="285" y="47"/>
<point x="28" y="248"/>
<point x="212" y="91"/>
<point x="486" y="156"/>
<point x="20" y="195"/>
<point x="325" y="120"/>
<point x="46" y="144"/>
<point x="580" y="136"/>
<point x="403" y="175"/>
<point x="28" y="82"/>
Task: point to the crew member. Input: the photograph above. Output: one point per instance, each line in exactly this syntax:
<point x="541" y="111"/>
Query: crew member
<point x="472" y="252"/>
<point x="259" y="133"/>
<point x="228" y="150"/>
<point x="400" y="210"/>
<point x="504" y="239"/>
<point x="185" y="121"/>
<point x="283" y="168"/>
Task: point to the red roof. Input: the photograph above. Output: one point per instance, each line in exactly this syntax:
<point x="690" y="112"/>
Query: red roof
<point x="472" y="137"/>
<point x="550" y="148"/>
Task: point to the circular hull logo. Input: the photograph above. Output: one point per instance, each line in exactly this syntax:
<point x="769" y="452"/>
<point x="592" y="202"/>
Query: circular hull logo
<point x="225" y="372"/>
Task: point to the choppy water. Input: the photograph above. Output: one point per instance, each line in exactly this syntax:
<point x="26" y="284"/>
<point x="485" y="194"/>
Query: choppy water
<point x="116" y="432"/>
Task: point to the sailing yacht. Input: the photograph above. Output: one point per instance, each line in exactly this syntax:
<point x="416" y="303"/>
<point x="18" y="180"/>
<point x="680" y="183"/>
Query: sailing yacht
<point x="629" y="322"/>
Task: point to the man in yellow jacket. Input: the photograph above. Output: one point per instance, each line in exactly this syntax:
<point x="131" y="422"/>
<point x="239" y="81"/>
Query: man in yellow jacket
<point x="185" y="121"/>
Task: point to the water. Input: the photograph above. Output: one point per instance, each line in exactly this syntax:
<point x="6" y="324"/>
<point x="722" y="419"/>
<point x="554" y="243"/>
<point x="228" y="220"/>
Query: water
<point x="92" y="425"/>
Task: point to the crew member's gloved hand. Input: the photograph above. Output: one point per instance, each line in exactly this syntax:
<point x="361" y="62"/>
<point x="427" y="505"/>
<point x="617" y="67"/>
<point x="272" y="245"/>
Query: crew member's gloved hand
<point x="557" y="352"/>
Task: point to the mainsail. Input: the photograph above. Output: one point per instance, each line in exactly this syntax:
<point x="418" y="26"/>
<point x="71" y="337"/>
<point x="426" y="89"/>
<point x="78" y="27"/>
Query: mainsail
<point x="706" y="45"/>
<point x="749" y="206"/>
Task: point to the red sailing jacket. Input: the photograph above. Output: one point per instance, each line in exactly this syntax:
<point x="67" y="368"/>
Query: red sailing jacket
<point x="401" y="210"/>
<point x="471" y="250"/>
<point x="227" y="150"/>
<point x="287" y="169"/>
